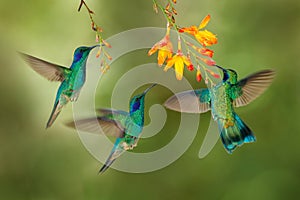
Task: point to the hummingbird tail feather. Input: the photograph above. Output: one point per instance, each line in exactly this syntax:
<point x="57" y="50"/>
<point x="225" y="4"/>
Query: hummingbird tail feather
<point x="55" y="112"/>
<point x="235" y="134"/>
<point x="106" y="165"/>
<point x="115" y="153"/>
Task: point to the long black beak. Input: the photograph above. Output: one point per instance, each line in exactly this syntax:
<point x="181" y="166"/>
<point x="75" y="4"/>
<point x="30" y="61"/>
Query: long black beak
<point x="225" y="74"/>
<point x="220" y="68"/>
<point x="224" y="70"/>
<point x="94" y="46"/>
<point x="149" y="88"/>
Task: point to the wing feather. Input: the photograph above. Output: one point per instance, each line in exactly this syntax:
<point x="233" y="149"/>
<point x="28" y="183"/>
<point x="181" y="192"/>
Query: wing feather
<point x="191" y="101"/>
<point x="252" y="87"/>
<point x="91" y="125"/>
<point x="50" y="71"/>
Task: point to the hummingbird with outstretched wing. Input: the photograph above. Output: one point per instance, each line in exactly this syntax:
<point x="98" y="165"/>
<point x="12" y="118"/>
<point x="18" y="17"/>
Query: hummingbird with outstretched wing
<point x="221" y="100"/>
<point x="72" y="79"/>
<point x="125" y="126"/>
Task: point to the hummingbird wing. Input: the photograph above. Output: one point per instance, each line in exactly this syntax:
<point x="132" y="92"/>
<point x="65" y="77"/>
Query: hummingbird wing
<point x="106" y="111"/>
<point x="112" y="123"/>
<point x="191" y="101"/>
<point x="109" y="127"/>
<point x="50" y="71"/>
<point x="249" y="88"/>
<point x="119" y="116"/>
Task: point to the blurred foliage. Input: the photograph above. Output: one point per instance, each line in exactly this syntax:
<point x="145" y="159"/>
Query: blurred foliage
<point x="52" y="164"/>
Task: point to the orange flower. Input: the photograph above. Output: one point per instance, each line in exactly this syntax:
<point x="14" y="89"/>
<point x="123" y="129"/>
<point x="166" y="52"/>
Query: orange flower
<point x="206" y="52"/>
<point x="198" y="75"/>
<point x="164" y="47"/>
<point x="179" y="60"/>
<point x="204" y="37"/>
<point x="213" y="73"/>
<point x="209" y="62"/>
<point x="201" y="50"/>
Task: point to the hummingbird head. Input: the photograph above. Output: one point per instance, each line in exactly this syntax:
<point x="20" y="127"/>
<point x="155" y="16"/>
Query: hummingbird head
<point x="137" y="102"/>
<point x="82" y="52"/>
<point x="232" y="76"/>
<point x="228" y="74"/>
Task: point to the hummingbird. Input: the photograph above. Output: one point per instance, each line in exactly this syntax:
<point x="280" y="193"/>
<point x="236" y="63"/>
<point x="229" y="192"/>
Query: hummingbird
<point x="221" y="100"/>
<point x="125" y="126"/>
<point x="72" y="79"/>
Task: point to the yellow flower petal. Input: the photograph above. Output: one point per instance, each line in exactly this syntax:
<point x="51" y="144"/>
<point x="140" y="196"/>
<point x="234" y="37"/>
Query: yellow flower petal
<point x="162" y="55"/>
<point x="204" y="22"/>
<point x="191" y="30"/>
<point x="170" y="63"/>
<point x="206" y="38"/>
<point x="186" y="61"/>
<point x="164" y="48"/>
<point x="179" y="68"/>
<point x="153" y="50"/>
<point x="170" y="54"/>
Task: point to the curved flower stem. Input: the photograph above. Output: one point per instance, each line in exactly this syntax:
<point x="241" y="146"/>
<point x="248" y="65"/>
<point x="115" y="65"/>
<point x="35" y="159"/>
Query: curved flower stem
<point x="99" y="38"/>
<point x="165" y="15"/>
<point x="95" y="27"/>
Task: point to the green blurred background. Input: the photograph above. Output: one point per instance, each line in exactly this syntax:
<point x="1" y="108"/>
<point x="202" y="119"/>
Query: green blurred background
<point x="53" y="164"/>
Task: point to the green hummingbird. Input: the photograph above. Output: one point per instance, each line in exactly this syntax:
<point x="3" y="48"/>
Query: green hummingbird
<point x="126" y="127"/>
<point x="72" y="79"/>
<point x="221" y="100"/>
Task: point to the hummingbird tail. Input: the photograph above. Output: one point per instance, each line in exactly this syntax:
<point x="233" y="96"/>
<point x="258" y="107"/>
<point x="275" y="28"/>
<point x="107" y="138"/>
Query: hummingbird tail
<point x="55" y="112"/>
<point x="106" y="166"/>
<point x="115" y="153"/>
<point x="235" y="134"/>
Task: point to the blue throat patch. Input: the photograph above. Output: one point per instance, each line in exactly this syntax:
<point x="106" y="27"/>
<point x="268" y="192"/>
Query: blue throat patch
<point x="77" y="56"/>
<point x="136" y="106"/>
<point x="225" y="77"/>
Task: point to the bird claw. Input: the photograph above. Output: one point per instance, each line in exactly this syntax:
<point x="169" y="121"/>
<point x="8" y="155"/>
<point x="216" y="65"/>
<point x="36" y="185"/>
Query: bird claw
<point x="128" y="147"/>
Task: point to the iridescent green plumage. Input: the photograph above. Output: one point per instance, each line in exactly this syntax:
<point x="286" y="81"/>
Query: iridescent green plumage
<point x="127" y="127"/>
<point x="72" y="79"/>
<point x="221" y="100"/>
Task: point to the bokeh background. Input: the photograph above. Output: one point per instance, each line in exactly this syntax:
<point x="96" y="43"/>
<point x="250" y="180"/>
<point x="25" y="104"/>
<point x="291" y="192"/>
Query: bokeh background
<point x="53" y="164"/>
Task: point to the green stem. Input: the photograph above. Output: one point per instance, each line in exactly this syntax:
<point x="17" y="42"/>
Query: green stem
<point x="162" y="9"/>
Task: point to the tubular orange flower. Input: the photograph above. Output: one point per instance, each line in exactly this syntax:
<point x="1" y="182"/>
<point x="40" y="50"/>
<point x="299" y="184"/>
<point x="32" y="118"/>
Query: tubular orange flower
<point x="206" y="52"/>
<point x="179" y="60"/>
<point x="202" y="51"/>
<point x="164" y="47"/>
<point x="204" y="37"/>
<point x="204" y="22"/>
<point x="198" y="75"/>
<point x="209" y="62"/>
<point x="106" y="43"/>
<point x="213" y="73"/>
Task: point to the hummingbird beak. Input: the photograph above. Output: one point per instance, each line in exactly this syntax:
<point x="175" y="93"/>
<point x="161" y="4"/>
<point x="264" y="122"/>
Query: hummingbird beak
<point x="94" y="46"/>
<point x="224" y="70"/>
<point x="149" y="88"/>
<point x="225" y="73"/>
<point x="220" y="67"/>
